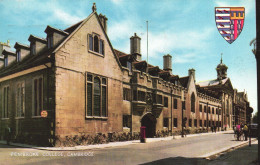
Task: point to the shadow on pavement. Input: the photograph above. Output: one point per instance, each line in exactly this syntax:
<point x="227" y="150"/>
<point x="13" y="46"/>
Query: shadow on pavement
<point x="229" y="133"/>
<point x="241" y="156"/>
<point x="8" y="146"/>
<point x="178" y="160"/>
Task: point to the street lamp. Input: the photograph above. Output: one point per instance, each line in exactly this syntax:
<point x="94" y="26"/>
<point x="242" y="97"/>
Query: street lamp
<point x="171" y="111"/>
<point x="207" y="116"/>
<point x="182" y="107"/>
<point x="218" y="118"/>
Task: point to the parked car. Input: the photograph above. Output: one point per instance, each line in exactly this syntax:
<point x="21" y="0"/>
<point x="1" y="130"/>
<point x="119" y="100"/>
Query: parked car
<point x="253" y="129"/>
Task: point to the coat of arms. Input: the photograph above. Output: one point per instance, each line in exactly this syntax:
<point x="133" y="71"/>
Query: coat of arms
<point x="230" y="22"/>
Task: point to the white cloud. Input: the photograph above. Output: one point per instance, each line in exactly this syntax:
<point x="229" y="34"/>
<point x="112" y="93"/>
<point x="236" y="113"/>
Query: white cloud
<point x="189" y="43"/>
<point x="65" y="17"/>
<point x="116" y="1"/>
<point x="248" y="4"/>
<point x="120" y="30"/>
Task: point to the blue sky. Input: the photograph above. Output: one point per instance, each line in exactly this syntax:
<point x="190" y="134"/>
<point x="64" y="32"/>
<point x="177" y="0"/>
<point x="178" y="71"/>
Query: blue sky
<point x="185" y="29"/>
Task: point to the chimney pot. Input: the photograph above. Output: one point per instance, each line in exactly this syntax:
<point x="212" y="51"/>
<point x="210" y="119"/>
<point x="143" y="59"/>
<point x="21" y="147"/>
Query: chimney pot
<point x="135" y="46"/>
<point x="103" y="20"/>
<point x="192" y="73"/>
<point x="167" y="63"/>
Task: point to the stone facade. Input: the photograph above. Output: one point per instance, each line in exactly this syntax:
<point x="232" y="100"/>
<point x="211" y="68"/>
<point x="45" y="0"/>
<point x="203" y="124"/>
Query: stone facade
<point x="87" y="87"/>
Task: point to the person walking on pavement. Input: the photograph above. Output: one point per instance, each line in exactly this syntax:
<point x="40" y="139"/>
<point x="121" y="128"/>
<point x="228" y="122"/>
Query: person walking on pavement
<point x="245" y="130"/>
<point x="238" y="131"/>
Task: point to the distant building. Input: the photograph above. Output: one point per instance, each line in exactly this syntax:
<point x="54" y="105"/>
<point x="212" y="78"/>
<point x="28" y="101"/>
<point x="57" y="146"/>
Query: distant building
<point x="87" y="86"/>
<point x="3" y="46"/>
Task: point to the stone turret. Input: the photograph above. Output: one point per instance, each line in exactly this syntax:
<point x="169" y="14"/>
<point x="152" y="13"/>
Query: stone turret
<point x="221" y="70"/>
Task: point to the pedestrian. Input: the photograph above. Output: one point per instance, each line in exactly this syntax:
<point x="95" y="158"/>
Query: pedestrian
<point x="8" y="134"/>
<point x="241" y="125"/>
<point x="245" y="130"/>
<point x="238" y="131"/>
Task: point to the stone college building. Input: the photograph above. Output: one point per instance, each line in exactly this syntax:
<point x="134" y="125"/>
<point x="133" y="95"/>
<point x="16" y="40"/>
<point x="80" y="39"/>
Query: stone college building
<point x="87" y="86"/>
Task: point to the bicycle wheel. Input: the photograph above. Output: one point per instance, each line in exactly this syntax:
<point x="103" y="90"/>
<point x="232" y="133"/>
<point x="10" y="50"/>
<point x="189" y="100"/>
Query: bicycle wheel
<point x="235" y="136"/>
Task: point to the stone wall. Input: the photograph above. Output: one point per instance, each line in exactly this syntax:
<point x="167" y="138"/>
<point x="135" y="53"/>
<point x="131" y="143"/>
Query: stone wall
<point x="73" y="61"/>
<point x="28" y="129"/>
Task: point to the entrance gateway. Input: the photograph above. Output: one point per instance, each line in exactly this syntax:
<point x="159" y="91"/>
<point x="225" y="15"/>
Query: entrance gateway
<point x="149" y="121"/>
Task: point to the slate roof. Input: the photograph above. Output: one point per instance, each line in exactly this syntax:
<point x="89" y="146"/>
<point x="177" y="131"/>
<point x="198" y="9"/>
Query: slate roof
<point x="211" y="82"/>
<point x="8" y="52"/>
<point x="119" y="53"/>
<point x="33" y="37"/>
<point x="18" y="44"/>
<point x="73" y="27"/>
<point x="184" y="81"/>
<point x="50" y="28"/>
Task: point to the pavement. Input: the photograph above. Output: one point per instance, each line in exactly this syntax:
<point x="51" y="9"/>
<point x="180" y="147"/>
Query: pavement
<point x="239" y="153"/>
<point x="111" y="144"/>
<point x="244" y="155"/>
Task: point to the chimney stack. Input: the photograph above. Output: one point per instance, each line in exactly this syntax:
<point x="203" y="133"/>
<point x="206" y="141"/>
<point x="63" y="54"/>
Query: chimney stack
<point x="103" y="20"/>
<point x="192" y="73"/>
<point x="135" y="47"/>
<point x="167" y="63"/>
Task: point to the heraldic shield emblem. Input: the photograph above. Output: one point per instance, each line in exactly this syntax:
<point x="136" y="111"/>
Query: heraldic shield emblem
<point x="230" y="22"/>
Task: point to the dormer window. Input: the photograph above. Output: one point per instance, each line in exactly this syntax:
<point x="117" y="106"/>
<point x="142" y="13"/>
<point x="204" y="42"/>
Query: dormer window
<point x="33" y="49"/>
<point x="50" y="41"/>
<point x="96" y="44"/>
<point x="18" y="56"/>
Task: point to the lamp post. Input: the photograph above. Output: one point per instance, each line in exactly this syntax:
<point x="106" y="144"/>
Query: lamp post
<point x="218" y="118"/>
<point x="207" y="116"/>
<point x="171" y="110"/>
<point x="182" y="107"/>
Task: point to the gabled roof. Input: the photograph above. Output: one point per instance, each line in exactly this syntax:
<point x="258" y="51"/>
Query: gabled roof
<point x="120" y="53"/>
<point x="8" y="52"/>
<point x="77" y="26"/>
<point x="32" y="38"/>
<point x="20" y="45"/>
<point x="73" y="27"/>
<point x="50" y="29"/>
<point x="28" y="62"/>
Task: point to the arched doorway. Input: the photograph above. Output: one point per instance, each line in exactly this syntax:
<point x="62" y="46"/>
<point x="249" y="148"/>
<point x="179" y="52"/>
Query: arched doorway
<point x="149" y="121"/>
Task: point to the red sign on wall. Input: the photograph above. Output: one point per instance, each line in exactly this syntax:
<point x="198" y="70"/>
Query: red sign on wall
<point x="44" y="113"/>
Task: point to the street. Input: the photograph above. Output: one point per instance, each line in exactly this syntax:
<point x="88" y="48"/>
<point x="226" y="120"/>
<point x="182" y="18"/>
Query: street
<point x="187" y="151"/>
